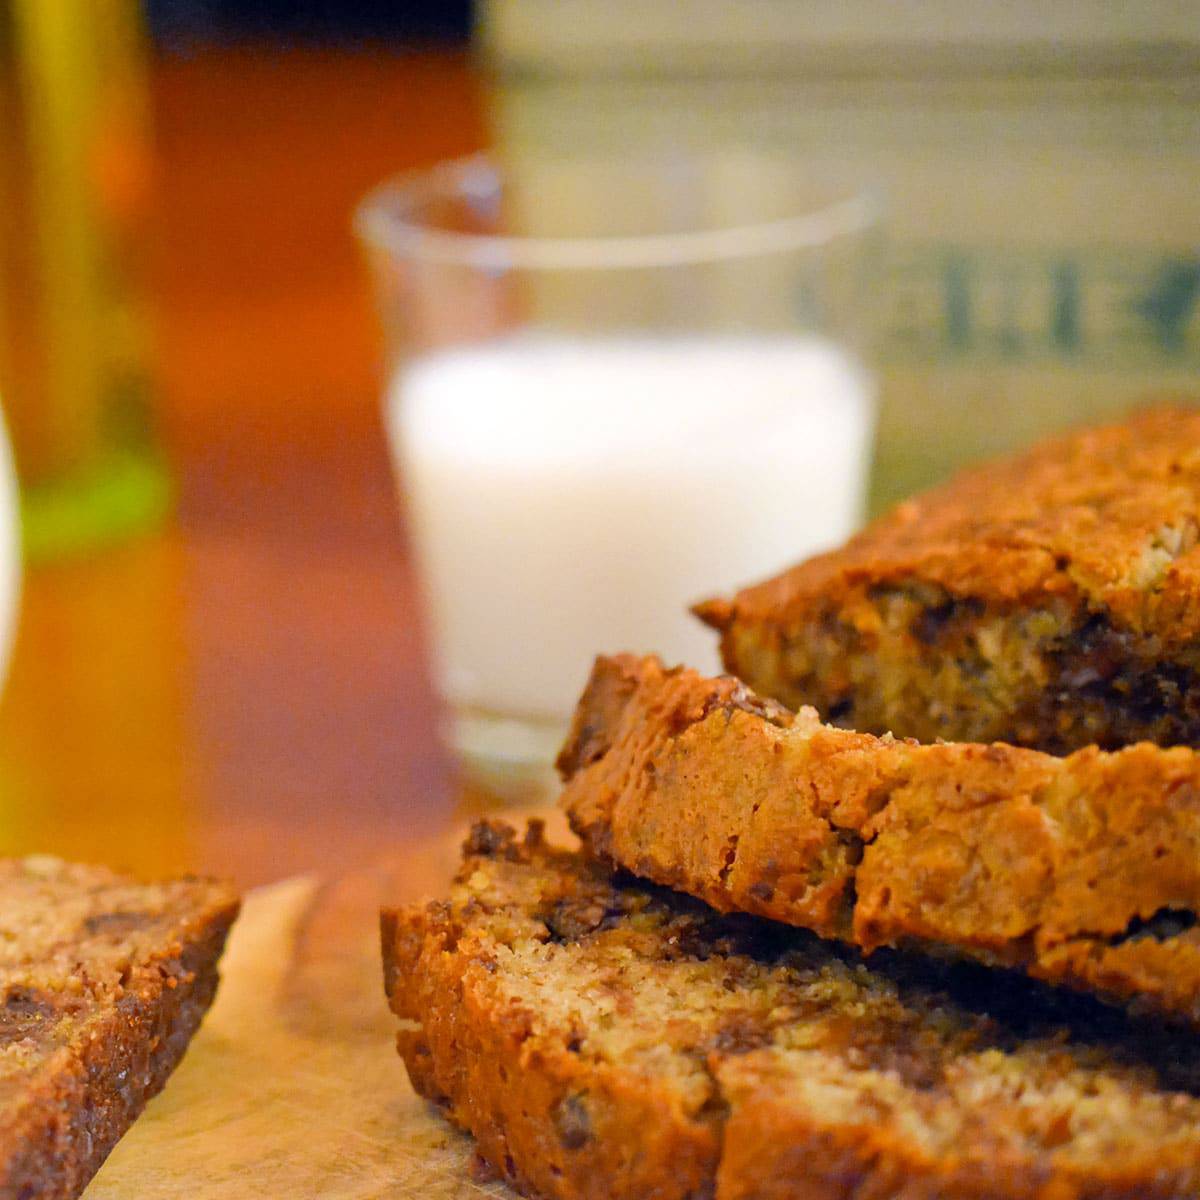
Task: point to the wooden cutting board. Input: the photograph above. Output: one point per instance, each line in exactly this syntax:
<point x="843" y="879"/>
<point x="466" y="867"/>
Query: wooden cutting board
<point x="293" y="1088"/>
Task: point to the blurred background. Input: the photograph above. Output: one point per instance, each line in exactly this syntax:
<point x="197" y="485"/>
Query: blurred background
<point x="219" y="660"/>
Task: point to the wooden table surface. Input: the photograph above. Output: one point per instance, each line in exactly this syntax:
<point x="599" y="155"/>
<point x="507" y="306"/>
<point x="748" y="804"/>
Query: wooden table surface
<point x="245" y="691"/>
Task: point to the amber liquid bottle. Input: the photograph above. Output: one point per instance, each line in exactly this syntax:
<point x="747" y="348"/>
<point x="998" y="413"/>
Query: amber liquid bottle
<point x="75" y="200"/>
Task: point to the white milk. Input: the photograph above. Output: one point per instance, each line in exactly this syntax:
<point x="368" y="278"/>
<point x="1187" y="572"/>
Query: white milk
<point x="573" y="497"/>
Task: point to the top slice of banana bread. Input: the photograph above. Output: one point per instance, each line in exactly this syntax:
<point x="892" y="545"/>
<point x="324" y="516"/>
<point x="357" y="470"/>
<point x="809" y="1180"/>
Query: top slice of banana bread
<point x="1050" y="600"/>
<point x="1082" y="871"/>
<point x="103" y="981"/>
<point x="604" y="1039"/>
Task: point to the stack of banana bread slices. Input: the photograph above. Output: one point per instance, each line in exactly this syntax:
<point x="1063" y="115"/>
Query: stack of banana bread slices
<point x="929" y="931"/>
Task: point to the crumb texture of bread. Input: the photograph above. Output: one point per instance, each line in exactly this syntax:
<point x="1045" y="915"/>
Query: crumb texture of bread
<point x="1081" y="871"/>
<point x="1050" y="600"/>
<point x="605" y="1039"/>
<point x="103" y="981"/>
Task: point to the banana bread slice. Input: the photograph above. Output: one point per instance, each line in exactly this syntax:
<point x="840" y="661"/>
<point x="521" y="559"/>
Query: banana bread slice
<point x="605" y="1039"/>
<point x="103" y="981"/>
<point x="1082" y="871"/>
<point x="1050" y="600"/>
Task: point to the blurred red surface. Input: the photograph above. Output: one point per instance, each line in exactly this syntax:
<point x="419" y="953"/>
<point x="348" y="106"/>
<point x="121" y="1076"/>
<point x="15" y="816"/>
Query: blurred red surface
<point x="246" y="692"/>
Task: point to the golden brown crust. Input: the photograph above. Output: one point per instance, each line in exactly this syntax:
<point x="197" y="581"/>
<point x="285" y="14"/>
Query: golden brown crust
<point x="608" y="1040"/>
<point x="516" y="1085"/>
<point x="1071" y="573"/>
<point x="90" y="1029"/>
<point x="1083" y="871"/>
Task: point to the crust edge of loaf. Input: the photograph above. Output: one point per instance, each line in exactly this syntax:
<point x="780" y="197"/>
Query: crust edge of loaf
<point x="508" y="1097"/>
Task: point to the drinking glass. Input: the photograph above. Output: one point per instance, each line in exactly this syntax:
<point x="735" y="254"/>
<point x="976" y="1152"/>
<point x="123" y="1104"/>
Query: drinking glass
<point x="615" y="388"/>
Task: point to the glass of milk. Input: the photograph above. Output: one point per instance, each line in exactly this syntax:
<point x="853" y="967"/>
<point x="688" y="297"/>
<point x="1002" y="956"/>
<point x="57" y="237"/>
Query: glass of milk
<point x="615" y="389"/>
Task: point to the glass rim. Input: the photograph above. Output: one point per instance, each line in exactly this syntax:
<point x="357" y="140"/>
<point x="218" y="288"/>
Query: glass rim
<point x="379" y="222"/>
